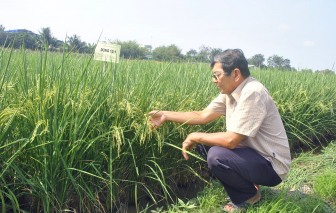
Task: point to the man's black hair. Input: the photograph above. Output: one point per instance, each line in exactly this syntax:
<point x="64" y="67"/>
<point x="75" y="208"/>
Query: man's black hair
<point x="230" y="60"/>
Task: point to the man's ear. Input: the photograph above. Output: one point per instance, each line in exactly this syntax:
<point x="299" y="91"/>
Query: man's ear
<point x="237" y="74"/>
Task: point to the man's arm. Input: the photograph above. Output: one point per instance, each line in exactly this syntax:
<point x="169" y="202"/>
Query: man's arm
<point x="192" y="118"/>
<point x="227" y="139"/>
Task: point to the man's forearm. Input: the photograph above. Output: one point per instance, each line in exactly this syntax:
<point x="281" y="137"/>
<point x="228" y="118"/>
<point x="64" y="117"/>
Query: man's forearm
<point x="192" y="118"/>
<point x="224" y="139"/>
<point x="227" y="139"/>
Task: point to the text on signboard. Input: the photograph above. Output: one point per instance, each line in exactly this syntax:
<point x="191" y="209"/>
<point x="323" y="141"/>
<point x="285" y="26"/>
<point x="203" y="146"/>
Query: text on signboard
<point x="107" y="50"/>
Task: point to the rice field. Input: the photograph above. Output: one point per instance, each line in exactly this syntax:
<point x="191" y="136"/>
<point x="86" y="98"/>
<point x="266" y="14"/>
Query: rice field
<point x="74" y="135"/>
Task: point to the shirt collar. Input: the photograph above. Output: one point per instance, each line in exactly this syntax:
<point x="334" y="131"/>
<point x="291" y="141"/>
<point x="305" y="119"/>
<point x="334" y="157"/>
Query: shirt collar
<point x="236" y="93"/>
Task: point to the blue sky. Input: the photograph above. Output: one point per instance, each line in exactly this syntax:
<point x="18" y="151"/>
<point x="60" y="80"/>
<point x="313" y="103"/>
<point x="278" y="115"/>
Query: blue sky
<point x="302" y="31"/>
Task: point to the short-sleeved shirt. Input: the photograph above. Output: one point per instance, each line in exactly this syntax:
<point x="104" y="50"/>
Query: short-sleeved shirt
<point x="251" y="111"/>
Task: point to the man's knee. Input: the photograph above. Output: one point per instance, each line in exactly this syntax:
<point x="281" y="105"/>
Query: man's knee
<point x="217" y="157"/>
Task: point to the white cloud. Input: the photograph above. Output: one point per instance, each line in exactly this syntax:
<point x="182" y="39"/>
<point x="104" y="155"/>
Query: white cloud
<point x="284" y="27"/>
<point x="308" y="43"/>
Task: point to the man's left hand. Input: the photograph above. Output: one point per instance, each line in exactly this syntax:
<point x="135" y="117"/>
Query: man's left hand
<point x="189" y="142"/>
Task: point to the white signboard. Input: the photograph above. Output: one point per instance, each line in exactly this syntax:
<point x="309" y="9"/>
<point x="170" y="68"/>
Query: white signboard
<point x="107" y="52"/>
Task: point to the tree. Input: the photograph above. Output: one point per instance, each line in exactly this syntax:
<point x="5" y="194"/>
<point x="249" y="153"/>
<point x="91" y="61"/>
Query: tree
<point x="326" y="72"/>
<point x="204" y="53"/>
<point x="286" y="64"/>
<point x="76" y="44"/>
<point x="20" y="38"/>
<point x="131" y="49"/>
<point x="28" y="40"/>
<point x="192" y="53"/>
<point x="257" y="60"/>
<point x="293" y="69"/>
<point x="3" y="35"/>
<point x="170" y="53"/>
<point x="215" y="51"/>
<point x="278" y="62"/>
<point x="46" y="37"/>
<point x="90" y="48"/>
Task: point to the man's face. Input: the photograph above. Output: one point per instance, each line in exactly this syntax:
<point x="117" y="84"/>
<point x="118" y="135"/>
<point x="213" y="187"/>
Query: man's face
<point x="226" y="84"/>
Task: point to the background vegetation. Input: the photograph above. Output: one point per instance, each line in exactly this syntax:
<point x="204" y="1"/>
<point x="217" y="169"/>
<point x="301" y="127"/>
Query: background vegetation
<point x="133" y="50"/>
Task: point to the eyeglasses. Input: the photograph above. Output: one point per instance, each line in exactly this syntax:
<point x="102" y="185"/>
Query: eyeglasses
<point x="216" y="76"/>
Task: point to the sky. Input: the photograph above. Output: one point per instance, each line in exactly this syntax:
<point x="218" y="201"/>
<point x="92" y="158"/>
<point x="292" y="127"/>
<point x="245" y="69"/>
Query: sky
<point x="303" y="31"/>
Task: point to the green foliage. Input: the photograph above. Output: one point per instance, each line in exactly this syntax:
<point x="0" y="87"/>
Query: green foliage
<point x="76" y="44"/>
<point x="211" y="198"/>
<point x="30" y="41"/>
<point x="90" y="48"/>
<point x="184" y="207"/>
<point x="169" y="53"/>
<point x="131" y="49"/>
<point x="46" y="37"/>
<point x="215" y="51"/>
<point x="204" y="53"/>
<point x="158" y="210"/>
<point x="278" y="62"/>
<point x="257" y="60"/>
<point x="191" y="53"/>
<point x="325" y="184"/>
<point x="307" y="70"/>
<point x="293" y="69"/>
<point x="72" y="134"/>
<point x="326" y="71"/>
<point x="305" y="102"/>
<point x="20" y="38"/>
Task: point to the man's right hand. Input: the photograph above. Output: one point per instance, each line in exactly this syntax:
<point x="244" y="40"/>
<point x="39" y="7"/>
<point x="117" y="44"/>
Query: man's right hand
<point x="156" y="118"/>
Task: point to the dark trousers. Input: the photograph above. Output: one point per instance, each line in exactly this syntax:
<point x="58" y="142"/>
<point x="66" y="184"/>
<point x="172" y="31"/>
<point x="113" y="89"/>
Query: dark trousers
<point x="238" y="169"/>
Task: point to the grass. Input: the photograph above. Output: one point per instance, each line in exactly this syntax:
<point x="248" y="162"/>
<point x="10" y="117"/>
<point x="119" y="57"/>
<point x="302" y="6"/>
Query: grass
<point x="74" y="137"/>
<point x="325" y="184"/>
<point x="309" y="187"/>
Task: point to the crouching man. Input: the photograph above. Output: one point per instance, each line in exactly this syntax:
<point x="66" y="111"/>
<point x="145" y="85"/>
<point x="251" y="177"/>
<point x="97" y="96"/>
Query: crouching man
<point x="254" y="150"/>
